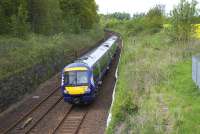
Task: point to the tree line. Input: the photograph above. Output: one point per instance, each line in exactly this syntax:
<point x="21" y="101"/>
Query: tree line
<point x="19" y="17"/>
<point x="181" y="20"/>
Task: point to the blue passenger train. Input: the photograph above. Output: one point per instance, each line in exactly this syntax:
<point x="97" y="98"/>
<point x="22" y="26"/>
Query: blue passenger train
<point x="80" y="79"/>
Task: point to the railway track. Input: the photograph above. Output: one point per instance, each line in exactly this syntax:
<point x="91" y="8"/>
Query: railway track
<point x="72" y="121"/>
<point x="69" y="124"/>
<point x="37" y="113"/>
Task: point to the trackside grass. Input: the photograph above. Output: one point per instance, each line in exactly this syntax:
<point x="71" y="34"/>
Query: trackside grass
<point x="155" y="92"/>
<point x="182" y="98"/>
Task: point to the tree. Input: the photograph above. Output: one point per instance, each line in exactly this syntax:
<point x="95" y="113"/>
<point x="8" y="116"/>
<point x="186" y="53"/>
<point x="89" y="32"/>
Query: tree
<point x="121" y="16"/>
<point x="13" y="17"/>
<point x="155" y="18"/>
<point x="37" y="13"/>
<point x="19" y="24"/>
<point x="7" y="9"/>
<point x="182" y="20"/>
<point x="17" y="17"/>
<point x="79" y="14"/>
<point x="4" y="26"/>
<point x="138" y="15"/>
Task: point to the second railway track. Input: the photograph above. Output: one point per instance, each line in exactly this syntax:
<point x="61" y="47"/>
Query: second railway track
<point x="26" y="122"/>
<point x="69" y="123"/>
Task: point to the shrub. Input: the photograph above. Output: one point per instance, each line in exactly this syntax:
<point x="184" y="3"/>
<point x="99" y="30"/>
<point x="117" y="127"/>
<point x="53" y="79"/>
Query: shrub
<point x="182" y="20"/>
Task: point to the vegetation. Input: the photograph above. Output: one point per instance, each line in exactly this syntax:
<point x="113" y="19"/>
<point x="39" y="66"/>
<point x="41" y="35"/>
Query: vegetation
<point x="79" y="14"/>
<point x="18" y="17"/>
<point x="150" y="89"/>
<point x="155" y="92"/>
<point x="120" y="16"/>
<point x="151" y="22"/>
<point x="182" y="19"/>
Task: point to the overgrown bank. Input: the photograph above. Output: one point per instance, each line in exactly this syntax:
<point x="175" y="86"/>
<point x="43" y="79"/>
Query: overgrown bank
<point x="155" y="92"/>
<point x="27" y="63"/>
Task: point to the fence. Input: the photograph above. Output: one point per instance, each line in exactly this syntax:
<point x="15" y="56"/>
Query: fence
<point x="196" y="69"/>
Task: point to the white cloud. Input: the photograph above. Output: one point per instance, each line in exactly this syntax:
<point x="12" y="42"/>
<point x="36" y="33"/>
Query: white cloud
<point x="133" y="6"/>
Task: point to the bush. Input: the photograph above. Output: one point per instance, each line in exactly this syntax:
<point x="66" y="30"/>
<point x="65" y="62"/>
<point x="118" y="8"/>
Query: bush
<point x="152" y="22"/>
<point x="182" y="20"/>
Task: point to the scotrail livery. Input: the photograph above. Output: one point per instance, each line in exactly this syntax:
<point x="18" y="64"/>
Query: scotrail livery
<point x="80" y="79"/>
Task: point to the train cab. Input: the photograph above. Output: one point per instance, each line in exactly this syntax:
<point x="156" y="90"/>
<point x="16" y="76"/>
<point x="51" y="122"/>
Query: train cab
<point x="77" y="83"/>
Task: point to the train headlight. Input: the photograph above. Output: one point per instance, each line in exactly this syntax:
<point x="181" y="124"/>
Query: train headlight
<point x="88" y="90"/>
<point x="65" y="91"/>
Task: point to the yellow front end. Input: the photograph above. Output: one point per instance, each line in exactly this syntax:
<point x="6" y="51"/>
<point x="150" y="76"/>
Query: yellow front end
<point x="78" y="90"/>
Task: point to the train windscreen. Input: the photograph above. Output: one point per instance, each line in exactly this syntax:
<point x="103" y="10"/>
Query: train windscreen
<point x="76" y="78"/>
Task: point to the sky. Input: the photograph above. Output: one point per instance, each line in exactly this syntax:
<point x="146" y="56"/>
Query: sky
<point x="133" y="6"/>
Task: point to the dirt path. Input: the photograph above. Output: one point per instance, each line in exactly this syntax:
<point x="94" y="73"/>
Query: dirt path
<point x="164" y="111"/>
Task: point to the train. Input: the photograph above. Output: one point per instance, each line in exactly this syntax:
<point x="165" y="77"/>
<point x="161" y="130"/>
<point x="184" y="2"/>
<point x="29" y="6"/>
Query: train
<point x="81" y="79"/>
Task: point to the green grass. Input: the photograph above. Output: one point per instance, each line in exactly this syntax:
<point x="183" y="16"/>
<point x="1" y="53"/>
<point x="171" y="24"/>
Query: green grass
<point x="19" y="54"/>
<point x="155" y="92"/>
<point x="183" y="99"/>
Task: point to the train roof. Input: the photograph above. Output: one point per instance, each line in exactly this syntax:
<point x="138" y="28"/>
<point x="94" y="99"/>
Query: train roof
<point x="92" y="57"/>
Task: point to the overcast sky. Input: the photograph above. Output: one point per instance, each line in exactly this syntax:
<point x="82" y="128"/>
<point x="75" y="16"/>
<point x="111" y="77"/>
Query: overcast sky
<point x="133" y="6"/>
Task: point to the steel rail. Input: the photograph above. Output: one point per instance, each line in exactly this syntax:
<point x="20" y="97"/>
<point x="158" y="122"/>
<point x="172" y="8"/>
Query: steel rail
<point x="30" y="112"/>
